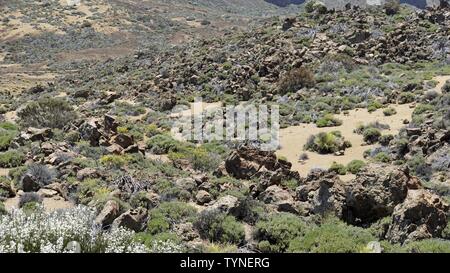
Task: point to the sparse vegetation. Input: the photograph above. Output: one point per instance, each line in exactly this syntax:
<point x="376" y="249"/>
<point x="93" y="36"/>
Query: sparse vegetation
<point x="47" y="112"/>
<point x="325" y="143"/>
<point x="296" y="79"/>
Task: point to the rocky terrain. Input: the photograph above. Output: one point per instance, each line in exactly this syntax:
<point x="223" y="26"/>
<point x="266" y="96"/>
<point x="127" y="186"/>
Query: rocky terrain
<point x="89" y="95"/>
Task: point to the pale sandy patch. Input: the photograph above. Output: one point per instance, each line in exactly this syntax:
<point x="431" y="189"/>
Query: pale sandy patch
<point x="50" y="204"/>
<point x="4" y="171"/>
<point x="292" y="139"/>
<point x="441" y="80"/>
<point x="183" y="20"/>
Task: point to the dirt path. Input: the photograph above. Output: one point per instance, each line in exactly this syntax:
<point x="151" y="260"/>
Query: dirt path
<point x="293" y="139"/>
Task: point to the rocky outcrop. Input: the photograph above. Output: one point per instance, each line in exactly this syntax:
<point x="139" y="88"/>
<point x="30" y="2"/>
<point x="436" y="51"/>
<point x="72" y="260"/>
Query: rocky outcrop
<point x="376" y="191"/>
<point x="203" y="197"/>
<point x="422" y="215"/>
<point x="134" y="219"/>
<point x="323" y="192"/>
<point x="248" y="162"/>
<point x="109" y="212"/>
<point x="280" y="199"/>
<point x="227" y="204"/>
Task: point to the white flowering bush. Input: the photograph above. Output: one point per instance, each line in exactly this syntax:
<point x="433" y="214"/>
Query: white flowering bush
<point x="65" y="231"/>
<point x="168" y="246"/>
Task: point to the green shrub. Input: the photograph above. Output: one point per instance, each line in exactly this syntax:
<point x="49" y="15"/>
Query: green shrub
<point x="3" y="210"/>
<point x="5" y="188"/>
<point x="200" y="158"/>
<point x="355" y="166"/>
<point x="275" y="233"/>
<point x="332" y="236"/>
<point x="6" y="138"/>
<point x="338" y="168"/>
<point x="382" y="157"/>
<point x="406" y="97"/>
<point x="251" y="210"/>
<point x="446" y="87"/>
<point x="161" y="219"/>
<point x="171" y="242"/>
<point x="158" y="223"/>
<point x="371" y="135"/>
<point x="47" y="112"/>
<point x="419" y="166"/>
<point x="328" y="121"/>
<point x="385" y="140"/>
<point x="446" y="231"/>
<point x="216" y="226"/>
<point x="152" y="130"/>
<point x="389" y="111"/>
<point x="373" y="106"/>
<point x="296" y="79"/>
<point x="8" y="132"/>
<point x="8" y="126"/>
<point x="115" y="161"/>
<point x="91" y="189"/>
<point x="326" y="143"/>
<point x="428" y="246"/>
<point x="11" y="159"/>
<point x="163" y="144"/>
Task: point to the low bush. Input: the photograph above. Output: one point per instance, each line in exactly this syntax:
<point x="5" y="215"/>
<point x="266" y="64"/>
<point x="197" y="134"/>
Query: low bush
<point x="446" y="87"/>
<point x="3" y="210"/>
<point x="406" y="97"/>
<point x="199" y="157"/>
<point x="251" y="210"/>
<point x="355" y="166"/>
<point x="419" y="166"/>
<point x="216" y="226"/>
<point x="161" y="243"/>
<point x="296" y="79"/>
<point x="326" y="143"/>
<point x="385" y="140"/>
<point x="389" y="111"/>
<point x="373" y="106"/>
<point x="42" y="174"/>
<point x="47" y="112"/>
<point x="332" y="236"/>
<point x="115" y="161"/>
<point x="161" y="219"/>
<point x="338" y="168"/>
<point x="328" y="121"/>
<point x="11" y="159"/>
<point x="8" y="132"/>
<point x="277" y="231"/>
<point x="428" y="246"/>
<point x="371" y="135"/>
<point x="163" y="144"/>
<point x="29" y="197"/>
<point x="382" y="157"/>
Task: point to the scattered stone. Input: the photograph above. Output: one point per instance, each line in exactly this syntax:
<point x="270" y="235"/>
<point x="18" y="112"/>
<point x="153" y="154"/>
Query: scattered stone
<point x="203" y="197"/>
<point x="423" y="215"/>
<point x="108" y="214"/>
<point x="134" y="219"/>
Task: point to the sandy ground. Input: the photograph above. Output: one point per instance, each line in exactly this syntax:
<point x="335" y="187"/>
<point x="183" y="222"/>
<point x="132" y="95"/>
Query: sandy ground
<point x="292" y="139"/>
<point x="50" y="204"/>
<point x="441" y="81"/>
<point x="4" y="171"/>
